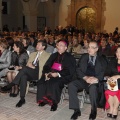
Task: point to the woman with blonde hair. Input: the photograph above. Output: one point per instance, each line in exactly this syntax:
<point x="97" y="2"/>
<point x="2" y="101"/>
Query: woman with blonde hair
<point x="5" y="58"/>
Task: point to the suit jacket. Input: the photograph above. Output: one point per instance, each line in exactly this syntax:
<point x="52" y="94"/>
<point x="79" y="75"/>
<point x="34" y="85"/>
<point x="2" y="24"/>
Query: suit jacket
<point x="105" y="52"/>
<point x="5" y="59"/>
<point x="21" y="60"/>
<point x="100" y="66"/>
<point x="42" y="60"/>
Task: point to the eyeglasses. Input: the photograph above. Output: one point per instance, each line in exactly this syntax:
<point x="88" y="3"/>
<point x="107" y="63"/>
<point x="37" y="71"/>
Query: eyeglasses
<point x="92" y="47"/>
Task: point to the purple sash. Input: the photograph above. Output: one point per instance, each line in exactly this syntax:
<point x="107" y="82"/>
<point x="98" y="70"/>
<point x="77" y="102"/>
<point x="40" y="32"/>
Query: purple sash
<point x="57" y="66"/>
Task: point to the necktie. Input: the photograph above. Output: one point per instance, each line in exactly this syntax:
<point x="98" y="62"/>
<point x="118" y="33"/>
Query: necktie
<point x="36" y="59"/>
<point x="91" y="60"/>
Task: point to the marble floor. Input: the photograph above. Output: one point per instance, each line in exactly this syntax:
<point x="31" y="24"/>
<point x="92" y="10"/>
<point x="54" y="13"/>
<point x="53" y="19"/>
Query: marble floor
<point x="31" y="111"/>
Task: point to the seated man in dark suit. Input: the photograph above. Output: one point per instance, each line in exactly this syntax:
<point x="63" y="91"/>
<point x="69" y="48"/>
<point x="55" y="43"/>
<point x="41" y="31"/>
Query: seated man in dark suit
<point x="90" y="72"/>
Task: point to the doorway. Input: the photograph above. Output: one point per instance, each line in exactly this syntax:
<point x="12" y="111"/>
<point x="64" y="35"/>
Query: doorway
<point x="86" y="19"/>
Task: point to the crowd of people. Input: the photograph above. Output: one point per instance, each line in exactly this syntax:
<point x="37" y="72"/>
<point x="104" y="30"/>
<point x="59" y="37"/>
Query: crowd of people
<point x="49" y="57"/>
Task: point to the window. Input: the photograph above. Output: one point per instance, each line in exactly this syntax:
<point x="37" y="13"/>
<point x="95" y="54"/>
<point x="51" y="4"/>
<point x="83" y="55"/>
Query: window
<point x="5" y="8"/>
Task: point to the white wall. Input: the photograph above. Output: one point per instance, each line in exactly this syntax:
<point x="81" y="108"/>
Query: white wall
<point x="112" y="15"/>
<point x="50" y="11"/>
<point x="56" y="14"/>
<point x="14" y="16"/>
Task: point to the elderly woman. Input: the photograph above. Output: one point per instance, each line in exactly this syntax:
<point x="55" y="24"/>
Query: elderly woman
<point x="5" y="58"/>
<point x="19" y="59"/>
<point x="113" y="97"/>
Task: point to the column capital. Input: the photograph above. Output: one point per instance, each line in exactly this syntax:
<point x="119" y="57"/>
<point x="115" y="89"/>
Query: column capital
<point x="30" y="7"/>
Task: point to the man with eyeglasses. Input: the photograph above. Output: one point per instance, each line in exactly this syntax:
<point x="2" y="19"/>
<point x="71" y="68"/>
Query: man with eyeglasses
<point x="90" y="72"/>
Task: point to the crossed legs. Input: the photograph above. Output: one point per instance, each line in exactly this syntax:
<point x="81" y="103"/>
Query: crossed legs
<point x="10" y="77"/>
<point x="114" y="103"/>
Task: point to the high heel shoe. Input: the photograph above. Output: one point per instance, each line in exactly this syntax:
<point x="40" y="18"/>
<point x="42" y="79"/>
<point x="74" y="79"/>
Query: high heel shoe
<point x="114" y="116"/>
<point x="15" y="94"/>
<point x="54" y="107"/>
<point x="11" y="94"/>
<point x="109" y="115"/>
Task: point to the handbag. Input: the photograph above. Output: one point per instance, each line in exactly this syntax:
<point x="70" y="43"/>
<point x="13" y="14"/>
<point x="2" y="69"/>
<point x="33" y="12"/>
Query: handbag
<point x="111" y="85"/>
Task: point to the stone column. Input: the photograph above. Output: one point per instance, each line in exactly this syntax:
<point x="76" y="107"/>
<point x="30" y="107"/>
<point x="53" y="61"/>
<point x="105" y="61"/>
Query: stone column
<point x="31" y="21"/>
<point x="30" y="12"/>
<point x="63" y="12"/>
<point x="1" y="7"/>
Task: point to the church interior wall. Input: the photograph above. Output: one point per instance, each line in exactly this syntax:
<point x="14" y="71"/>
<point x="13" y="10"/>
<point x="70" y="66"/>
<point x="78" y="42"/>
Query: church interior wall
<point x="63" y="12"/>
<point x="49" y="10"/>
<point x="56" y="14"/>
<point x="14" y="17"/>
<point x="112" y="15"/>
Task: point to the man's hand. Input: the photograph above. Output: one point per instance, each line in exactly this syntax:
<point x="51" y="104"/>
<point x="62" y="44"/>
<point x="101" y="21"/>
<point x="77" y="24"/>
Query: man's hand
<point x="31" y="65"/>
<point x="46" y="76"/>
<point x="54" y="75"/>
<point x="91" y="80"/>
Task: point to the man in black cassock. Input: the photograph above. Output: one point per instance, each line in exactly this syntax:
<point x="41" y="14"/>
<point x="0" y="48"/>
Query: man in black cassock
<point x="57" y="72"/>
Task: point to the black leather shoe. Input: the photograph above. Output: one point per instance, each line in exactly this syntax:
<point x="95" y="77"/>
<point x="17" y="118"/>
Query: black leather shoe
<point x="92" y="116"/>
<point x="109" y="115"/>
<point x="54" y="107"/>
<point x="16" y="94"/>
<point x="76" y="114"/>
<point x="42" y="104"/>
<point x="114" y="117"/>
<point x="11" y="94"/>
<point x="20" y="103"/>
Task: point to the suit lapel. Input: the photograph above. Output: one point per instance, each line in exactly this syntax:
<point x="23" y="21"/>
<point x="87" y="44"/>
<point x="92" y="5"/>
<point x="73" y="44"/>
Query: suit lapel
<point x="85" y="63"/>
<point x="97" y="65"/>
<point x="41" y="57"/>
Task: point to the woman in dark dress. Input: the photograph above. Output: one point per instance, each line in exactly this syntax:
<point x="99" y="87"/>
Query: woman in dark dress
<point x="19" y="59"/>
<point x="113" y="97"/>
<point x="57" y="71"/>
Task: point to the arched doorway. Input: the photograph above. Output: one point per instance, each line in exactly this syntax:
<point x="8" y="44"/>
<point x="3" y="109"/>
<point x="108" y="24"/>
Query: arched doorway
<point x="86" y="19"/>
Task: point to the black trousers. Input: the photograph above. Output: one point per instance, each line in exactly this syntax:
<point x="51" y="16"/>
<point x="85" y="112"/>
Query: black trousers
<point x="73" y="88"/>
<point x="24" y="75"/>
